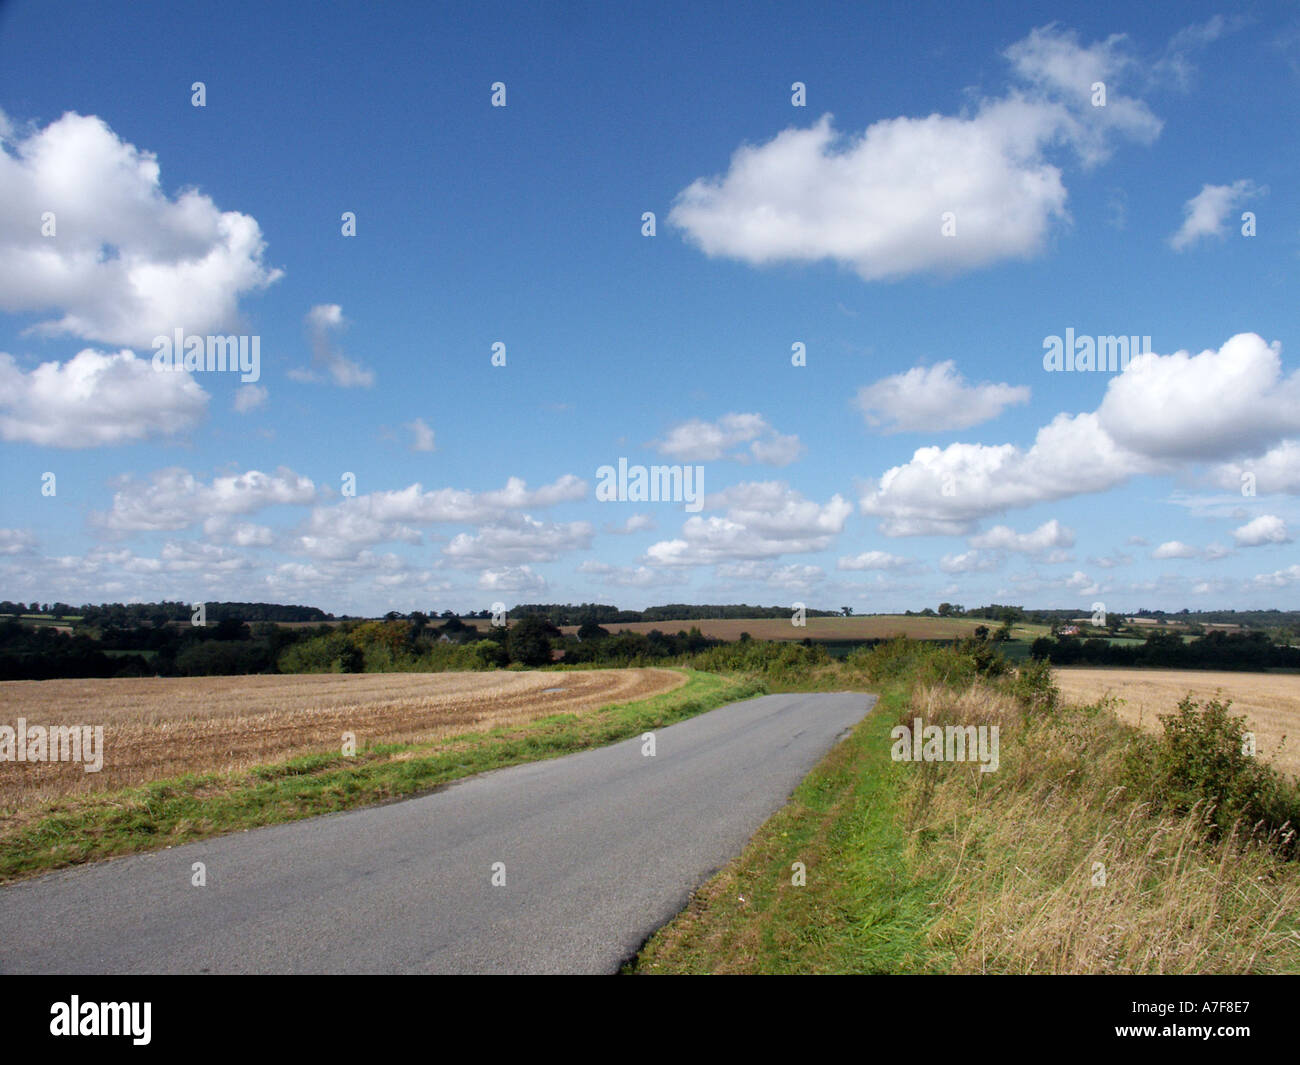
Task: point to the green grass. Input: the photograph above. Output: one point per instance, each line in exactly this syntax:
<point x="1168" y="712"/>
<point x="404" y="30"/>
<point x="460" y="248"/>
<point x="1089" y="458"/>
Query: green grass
<point x="861" y="910"/>
<point x="184" y="809"/>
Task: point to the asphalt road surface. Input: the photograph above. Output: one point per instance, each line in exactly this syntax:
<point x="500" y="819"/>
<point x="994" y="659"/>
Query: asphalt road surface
<point x="599" y="849"/>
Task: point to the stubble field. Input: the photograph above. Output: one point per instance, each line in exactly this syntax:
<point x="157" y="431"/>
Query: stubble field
<point x="164" y="727"/>
<point x="1269" y="701"/>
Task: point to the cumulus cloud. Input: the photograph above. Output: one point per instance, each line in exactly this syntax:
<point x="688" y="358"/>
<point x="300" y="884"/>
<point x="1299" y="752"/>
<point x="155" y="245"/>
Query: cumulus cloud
<point x="943" y="491"/>
<point x="518" y="540"/>
<point x="702" y="441"/>
<point x="1206" y="213"/>
<point x="1041" y="540"/>
<point x="763" y="519"/>
<point x="1160" y="413"/>
<point x="323" y="322"/>
<point x="937" y="398"/>
<point x="1080" y="582"/>
<point x="338" y="529"/>
<point x="1282" y="578"/>
<point x="1266" y="529"/>
<point x="875" y="201"/>
<point x="96" y="399"/>
<point x="516" y="579"/>
<point x="1174" y="549"/>
<point x="1214" y="405"/>
<point x="968" y="562"/>
<point x="1275" y="471"/>
<point x="173" y="498"/>
<point x="126" y="262"/>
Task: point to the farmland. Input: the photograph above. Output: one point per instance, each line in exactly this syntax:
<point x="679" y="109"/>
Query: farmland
<point x="1270" y="701"/>
<point x="163" y="727"/>
<point x="864" y="627"/>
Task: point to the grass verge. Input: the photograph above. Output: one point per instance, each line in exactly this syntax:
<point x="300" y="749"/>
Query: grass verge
<point x="1093" y="848"/>
<point x="184" y="809"/>
<point x="861" y="910"/>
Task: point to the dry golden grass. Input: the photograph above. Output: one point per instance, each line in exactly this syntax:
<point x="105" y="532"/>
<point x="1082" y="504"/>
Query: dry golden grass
<point x="163" y="727"/>
<point x="1047" y="866"/>
<point x="1270" y="701"/>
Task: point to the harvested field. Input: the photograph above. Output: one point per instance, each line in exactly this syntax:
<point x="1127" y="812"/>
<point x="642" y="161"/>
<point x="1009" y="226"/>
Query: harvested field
<point x="1270" y="701"/>
<point x="164" y="727"/>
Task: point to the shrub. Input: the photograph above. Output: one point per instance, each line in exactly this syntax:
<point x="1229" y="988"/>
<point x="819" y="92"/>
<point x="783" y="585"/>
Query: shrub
<point x="1201" y="758"/>
<point x="1033" y="687"/>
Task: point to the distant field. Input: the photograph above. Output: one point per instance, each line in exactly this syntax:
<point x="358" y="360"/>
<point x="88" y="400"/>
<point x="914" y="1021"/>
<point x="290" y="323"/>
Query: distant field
<point x="1270" y="701"/>
<point x="866" y="627"/>
<point x="163" y="727"/>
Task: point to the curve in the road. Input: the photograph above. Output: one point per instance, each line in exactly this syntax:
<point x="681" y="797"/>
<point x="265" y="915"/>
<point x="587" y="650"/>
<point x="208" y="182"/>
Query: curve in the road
<point x="596" y="851"/>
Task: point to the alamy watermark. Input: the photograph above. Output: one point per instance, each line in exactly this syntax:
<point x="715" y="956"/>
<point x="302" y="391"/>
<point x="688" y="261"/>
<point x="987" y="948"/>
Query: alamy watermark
<point x="946" y="743"/>
<point x="236" y="354"/>
<point x="102" y="1018"/>
<point x="654" y="484"/>
<point x="1108" y="354"/>
<point x="55" y="743"/>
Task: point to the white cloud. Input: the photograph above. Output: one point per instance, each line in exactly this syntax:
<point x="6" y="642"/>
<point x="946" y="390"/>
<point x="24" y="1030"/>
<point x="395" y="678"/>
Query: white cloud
<point x="335" y="531"/>
<point x="1161" y="410"/>
<point x="516" y="579"/>
<point x="1047" y="536"/>
<point x="96" y="399"/>
<point x="873" y="560"/>
<point x="1281" y="578"/>
<point x="701" y="441"/>
<point x="127" y="263"/>
<point x="1266" y="529"/>
<point x="421" y="435"/>
<point x="636" y="523"/>
<point x="1277" y="470"/>
<point x="16" y="542"/>
<point x="937" y="398"/>
<point x="764" y="519"/>
<point x="874" y="201"/>
<point x="1214" y="405"/>
<point x="520" y="540"/>
<point x="968" y="562"/>
<point x="1080" y="582"/>
<point x="631" y="576"/>
<point x="943" y="491"/>
<point x="175" y="499"/>
<point x="192" y="556"/>
<point x="795" y="577"/>
<point x="323" y="321"/>
<point x="250" y="397"/>
<point x="246" y="534"/>
<point x="1174" y="549"/>
<point x="1206" y="213"/>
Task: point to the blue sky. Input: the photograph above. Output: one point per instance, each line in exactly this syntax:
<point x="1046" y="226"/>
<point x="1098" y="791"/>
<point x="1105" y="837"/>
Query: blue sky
<point x="922" y="453"/>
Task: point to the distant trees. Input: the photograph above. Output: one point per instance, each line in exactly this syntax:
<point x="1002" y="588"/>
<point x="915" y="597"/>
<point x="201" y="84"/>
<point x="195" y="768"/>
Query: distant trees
<point x="1167" y="649"/>
<point x="529" y="640"/>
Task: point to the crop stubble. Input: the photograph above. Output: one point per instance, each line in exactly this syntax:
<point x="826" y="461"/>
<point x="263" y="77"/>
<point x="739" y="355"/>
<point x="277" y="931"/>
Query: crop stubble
<point x="163" y="727"/>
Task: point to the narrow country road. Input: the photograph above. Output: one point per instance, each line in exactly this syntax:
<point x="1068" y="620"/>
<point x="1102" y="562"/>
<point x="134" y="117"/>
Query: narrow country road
<point x="599" y="849"/>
